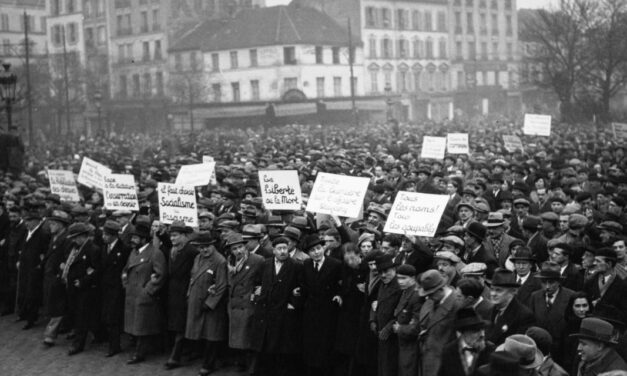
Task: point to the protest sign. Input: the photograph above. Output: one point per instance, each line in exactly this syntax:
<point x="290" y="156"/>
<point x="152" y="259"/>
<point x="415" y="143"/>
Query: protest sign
<point x="92" y="173"/>
<point x="209" y="160"/>
<point x="537" y="125"/>
<point x="433" y="147"/>
<point x="120" y="193"/>
<point x="620" y="131"/>
<point x="62" y="183"/>
<point x="416" y="213"/>
<point x="196" y="174"/>
<point x="337" y="195"/>
<point x="280" y="190"/>
<point x="177" y="203"/>
<point x="512" y="143"/>
<point x="457" y="143"/>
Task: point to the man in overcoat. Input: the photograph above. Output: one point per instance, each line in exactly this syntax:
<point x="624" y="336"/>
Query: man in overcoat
<point x="407" y="313"/>
<point x="143" y="277"/>
<point x="114" y="257"/>
<point x="244" y="268"/>
<point x="207" y="300"/>
<point x="277" y="323"/>
<point x="321" y="302"/>
<point x="182" y="255"/>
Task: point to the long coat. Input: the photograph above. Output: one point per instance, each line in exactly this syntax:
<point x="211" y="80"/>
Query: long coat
<point x="552" y="320"/>
<point x="515" y="320"/>
<point x="349" y="317"/>
<point x="30" y="270"/>
<point x="206" y="302"/>
<point x="112" y="291"/>
<point x="145" y="276"/>
<point x="615" y="294"/>
<point x="320" y="312"/>
<point x="387" y="300"/>
<point x="407" y="313"/>
<point x="179" y="272"/>
<point x="55" y="295"/>
<point x="241" y="308"/>
<point x="531" y="285"/>
<point x="277" y="326"/>
<point x="436" y="328"/>
<point x="83" y="299"/>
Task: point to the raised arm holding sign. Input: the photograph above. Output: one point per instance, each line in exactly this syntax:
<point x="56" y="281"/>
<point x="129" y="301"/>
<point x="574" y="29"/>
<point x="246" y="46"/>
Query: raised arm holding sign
<point x="92" y="173"/>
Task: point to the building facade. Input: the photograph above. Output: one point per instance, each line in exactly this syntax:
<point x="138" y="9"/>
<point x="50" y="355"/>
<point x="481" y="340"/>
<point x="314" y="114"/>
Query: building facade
<point x="12" y="29"/>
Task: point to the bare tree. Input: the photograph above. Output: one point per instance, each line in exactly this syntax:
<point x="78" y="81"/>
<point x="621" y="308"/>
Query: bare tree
<point x="188" y="88"/>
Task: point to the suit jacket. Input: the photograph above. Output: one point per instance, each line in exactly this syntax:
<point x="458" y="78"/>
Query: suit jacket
<point x="538" y="246"/>
<point x="111" y="288"/>
<point x="531" y="285"/>
<point x="484" y="309"/>
<point x="552" y="320"/>
<point x="125" y="235"/>
<point x="615" y="294"/>
<point x="515" y="320"/>
<point x="452" y="360"/>
<point x="55" y="295"/>
<point x="573" y="277"/>
<point x="179" y="274"/>
<point x="241" y="308"/>
<point x="421" y="257"/>
<point x="503" y="251"/>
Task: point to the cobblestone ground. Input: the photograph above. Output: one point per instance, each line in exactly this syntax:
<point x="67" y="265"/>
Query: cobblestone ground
<point x="22" y="353"/>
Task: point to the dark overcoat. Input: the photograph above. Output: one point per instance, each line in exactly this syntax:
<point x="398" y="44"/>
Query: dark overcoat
<point x="241" y="308"/>
<point x="349" y="318"/>
<point x="179" y="271"/>
<point x="516" y="319"/>
<point x="552" y="319"/>
<point x="30" y="269"/>
<point x="387" y="300"/>
<point x="452" y="360"/>
<point x="55" y="294"/>
<point x="112" y="291"/>
<point x="83" y="299"/>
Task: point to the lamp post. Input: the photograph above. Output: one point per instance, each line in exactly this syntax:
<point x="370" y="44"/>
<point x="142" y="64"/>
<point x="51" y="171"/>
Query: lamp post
<point x="8" y="83"/>
<point x="388" y="101"/>
<point x="98" y="104"/>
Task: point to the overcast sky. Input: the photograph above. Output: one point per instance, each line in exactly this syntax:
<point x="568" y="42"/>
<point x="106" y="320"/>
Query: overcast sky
<point x="520" y="3"/>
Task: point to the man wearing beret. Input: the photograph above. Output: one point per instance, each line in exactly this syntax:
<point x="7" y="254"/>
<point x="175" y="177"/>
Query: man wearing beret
<point x="607" y="288"/>
<point x="114" y="257"/>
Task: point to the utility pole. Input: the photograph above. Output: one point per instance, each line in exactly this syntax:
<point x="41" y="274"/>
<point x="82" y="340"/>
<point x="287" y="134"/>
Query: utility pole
<point x="66" y="82"/>
<point x="29" y="102"/>
<point x="351" y="58"/>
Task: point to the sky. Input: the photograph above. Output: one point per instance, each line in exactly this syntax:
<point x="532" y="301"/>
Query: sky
<point x="520" y="3"/>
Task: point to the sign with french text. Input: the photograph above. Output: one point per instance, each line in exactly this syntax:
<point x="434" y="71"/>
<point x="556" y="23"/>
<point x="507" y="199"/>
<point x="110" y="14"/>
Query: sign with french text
<point x="512" y="143"/>
<point x="416" y="214"/>
<point x="92" y="173"/>
<point x="177" y="203"/>
<point x="457" y="143"/>
<point x="339" y="195"/>
<point x="196" y="174"/>
<point x="62" y="183"/>
<point x="280" y="189"/>
<point x="620" y="131"/>
<point x="433" y="147"/>
<point x="120" y="192"/>
<point x="537" y="125"/>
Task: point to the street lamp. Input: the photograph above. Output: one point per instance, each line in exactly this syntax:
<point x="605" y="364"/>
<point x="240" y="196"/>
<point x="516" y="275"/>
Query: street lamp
<point x="98" y="104"/>
<point x="388" y="101"/>
<point x="8" y="83"/>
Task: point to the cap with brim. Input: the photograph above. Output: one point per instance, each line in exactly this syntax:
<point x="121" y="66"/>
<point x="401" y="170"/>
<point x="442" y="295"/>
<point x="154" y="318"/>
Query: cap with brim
<point x="77" y="229"/>
<point x="32" y="215"/>
<point x="474" y="268"/>
<point x="406" y="270"/>
<point x="252" y="231"/>
<point x="235" y="239"/>
<point x="448" y="256"/>
<point x="430" y="282"/>
<point x="203" y="239"/>
<point x="522" y="201"/>
<point x="111" y="228"/>
<point x="180" y="227"/>
<point x="466" y="204"/>
<point x="596" y="329"/>
<point x="121" y="213"/>
<point x="280" y="240"/>
<point x="525" y="349"/>
<point x="60" y="216"/>
<point x="378" y="210"/>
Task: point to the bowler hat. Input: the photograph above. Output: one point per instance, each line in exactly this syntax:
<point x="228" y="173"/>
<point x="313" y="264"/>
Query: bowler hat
<point x="532" y="223"/>
<point x="204" y="238"/>
<point x="468" y="319"/>
<point x="550" y="270"/>
<point x="596" y="329"/>
<point x="310" y="241"/>
<point x="77" y="229"/>
<point x="476" y="230"/>
<point x="503" y="278"/>
<point x="430" y="282"/>
<point x="523" y="254"/>
<point x="234" y="238"/>
<point x="142" y="230"/>
<point x="607" y="253"/>
<point x="385" y="262"/>
<point x="407" y="270"/>
<point x="525" y="349"/>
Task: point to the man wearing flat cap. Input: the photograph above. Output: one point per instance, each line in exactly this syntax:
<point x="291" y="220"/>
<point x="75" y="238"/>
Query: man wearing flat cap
<point x="436" y="319"/>
<point x="81" y="274"/>
<point x="597" y="340"/>
<point x="114" y="257"/>
<point x="462" y="356"/>
<point x="606" y="287"/>
<point x="181" y="260"/>
<point x="407" y="315"/>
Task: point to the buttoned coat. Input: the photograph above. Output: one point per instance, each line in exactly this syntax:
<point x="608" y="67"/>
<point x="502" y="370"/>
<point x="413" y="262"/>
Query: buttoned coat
<point x="30" y="270"/>
<point x="407" y="313"/>
<point x="436" y="330"/>
<point x="179" y="271"/>
<point x="531" y="285"/>
<point x="551" y="319"/>
<point x="241" y="308"/>
<point x="277" y="326"/>
<point x="614" y="296"/>
<point x="83" y="299"/>
<point x="387" y="300"/>
<point x="146" y="274"/>
<point x="320" y="312"/>
<point x="573" y="277"/>
<point x="206" y="305"/>
<point x="112" y="290"/>
<point x="503" y="250"/>
<point x="55" y="294"/>
<point x="516" y="319"/>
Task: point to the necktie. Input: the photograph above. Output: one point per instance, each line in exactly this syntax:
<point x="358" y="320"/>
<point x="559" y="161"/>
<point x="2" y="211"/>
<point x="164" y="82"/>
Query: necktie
<point x="549" y="300"/>
<point x="317" y="266"/>
<point x="519" y="280"/>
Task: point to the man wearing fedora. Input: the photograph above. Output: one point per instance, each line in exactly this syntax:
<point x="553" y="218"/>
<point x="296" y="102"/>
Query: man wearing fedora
<point x="253" y="233"/>
<point x="292" y="234"/>
<point x="476" y="250"/>
<point x="549" y="304"/>
<point x="320" y="292"/>
<point x="524" y="264"/>
<point x="81" y="273"/>
<point x="509" y="316"/>
<point x="55" y="295"/>
<point x="143" y="277"/>
<point x="470" y="350"/>
<point x="497" y="241"/>
<point x="523" y="348"/>
<point x="123" y="217"/>
<point x="597" y="339"/>
<point x="471" y="291"/>
<point x="607" y="288"/>
<point x="181" y="260"/>
<point x="114" y="257"/>
<point x="436" y="319"/>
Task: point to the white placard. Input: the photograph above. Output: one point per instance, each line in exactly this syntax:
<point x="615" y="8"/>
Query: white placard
<point x="196" y="174"/>
<point x="62" y="183"/>
<point x="620" y="131"/>
<point x="209" y="159"/>
<point x="120" y="192"/>
<point x="512" y="143"/>
<point x="457" y="143"/>
<point x="177" y="203"/>
<point x="92" y="173"/>
<point x="537" y="125"/>
<point x="337" y="195"/>
<point x="433" y="147"/>
<point x="280" y="189"/>
<point x="416" y="214"/>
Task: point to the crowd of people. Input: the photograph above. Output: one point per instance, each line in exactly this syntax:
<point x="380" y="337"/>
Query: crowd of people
<point x="524" y="275"/>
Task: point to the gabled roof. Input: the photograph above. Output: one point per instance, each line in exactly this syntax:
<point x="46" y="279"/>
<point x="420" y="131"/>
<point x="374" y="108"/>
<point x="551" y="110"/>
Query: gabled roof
<point x="192" y="36"/>
<point x="279" y="25"/>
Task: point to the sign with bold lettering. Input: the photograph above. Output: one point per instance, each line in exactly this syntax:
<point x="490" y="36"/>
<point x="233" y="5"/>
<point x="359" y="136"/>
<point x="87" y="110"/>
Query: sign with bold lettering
<point x="537" y="125"/>
<point x="92" y="173"/>
<point x="62" y="183"/>
<point x="457" y="143"/>
<point x="337" y="195"/>
<point x="120" y="193"/>
<point x="512" y="143"/>
<point x="177" y="203"/>
<point x="433" y="147"/>
<point x="196" y="174"/>
<point x="620" y="131"/>
<point x="416" y="213"/>
<point x="280" y="190"/>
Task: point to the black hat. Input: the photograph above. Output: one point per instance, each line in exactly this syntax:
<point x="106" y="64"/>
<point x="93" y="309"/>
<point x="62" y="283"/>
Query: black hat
<point x="468" y="319"/>
<point x="550" y="270"/>
<point x="280" y="240"/>
<point x="111" y="228"/>
<point x="77" y="229"/>
<point x="142" y="230"/>
<point x="503" y="278"/>
<point x="204" y="238"/>
<point x="523" y="254"/>
<point x="476" y="230"/>
<point x="180" y="227"/>
<point x="60" y="216"/>
<point x="607" y="253"/>
<point x="310" y="241"/>
<point x="385" y="262"/>
<point x="407" y="270"/>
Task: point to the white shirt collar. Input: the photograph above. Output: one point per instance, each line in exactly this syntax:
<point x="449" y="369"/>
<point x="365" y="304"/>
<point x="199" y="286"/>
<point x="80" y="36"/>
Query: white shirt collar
<point x="142" y="248"/>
